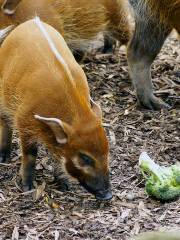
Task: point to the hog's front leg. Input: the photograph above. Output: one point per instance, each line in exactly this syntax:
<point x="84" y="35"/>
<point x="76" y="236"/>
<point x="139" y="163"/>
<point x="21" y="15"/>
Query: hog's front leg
<point x="29" y="154"/>
<point x="5" y="140"/>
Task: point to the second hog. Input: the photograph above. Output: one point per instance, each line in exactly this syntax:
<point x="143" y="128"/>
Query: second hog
<point x="79" y="21"/>
<point x="154" y="22"/>
<point x="45" y="95"/>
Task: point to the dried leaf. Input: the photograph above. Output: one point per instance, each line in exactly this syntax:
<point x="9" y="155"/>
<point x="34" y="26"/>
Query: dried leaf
<point x="56" y="235"/>
<point x="135" y="229"/>
<point x="54" y="205"/>
<point x="15" y="234"/>
<point x="77" y="214"/>
<point x="125" y="214"/>
<point x="112" y="137"/>
<point x="39" y="191"/>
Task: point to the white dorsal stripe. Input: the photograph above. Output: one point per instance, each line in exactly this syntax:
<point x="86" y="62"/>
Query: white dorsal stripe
<point x="39" y="23"/>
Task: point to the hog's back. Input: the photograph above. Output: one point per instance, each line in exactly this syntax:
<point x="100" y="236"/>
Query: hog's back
<point x="28" y="65"/>
<point x="164" y="11"/>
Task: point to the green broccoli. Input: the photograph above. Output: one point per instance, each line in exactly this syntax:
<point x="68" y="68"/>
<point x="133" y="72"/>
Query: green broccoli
<point x="163" y="183"/>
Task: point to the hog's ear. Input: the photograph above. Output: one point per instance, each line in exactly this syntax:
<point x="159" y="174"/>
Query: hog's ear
<point x="59" y="128"/>
<point x="96" y="109"/>
<point x="9" y="6"/>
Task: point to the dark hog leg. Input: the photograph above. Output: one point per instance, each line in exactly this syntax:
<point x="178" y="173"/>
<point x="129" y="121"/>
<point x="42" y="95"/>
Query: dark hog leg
<point x="5" y="141"/>
<point x="29" y="154"/>
<point x="119" y="27"/>
<point x="79" y="55"/>
<point x="146" y="43"/>
<point x="109" y="44"/>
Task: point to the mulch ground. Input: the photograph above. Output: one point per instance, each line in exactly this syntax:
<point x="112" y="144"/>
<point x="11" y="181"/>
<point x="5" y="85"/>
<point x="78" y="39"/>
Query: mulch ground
<point x="47" y="213"/>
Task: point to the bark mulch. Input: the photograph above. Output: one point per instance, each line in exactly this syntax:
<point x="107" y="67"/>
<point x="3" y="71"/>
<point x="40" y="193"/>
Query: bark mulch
<point x="47" y="213"/>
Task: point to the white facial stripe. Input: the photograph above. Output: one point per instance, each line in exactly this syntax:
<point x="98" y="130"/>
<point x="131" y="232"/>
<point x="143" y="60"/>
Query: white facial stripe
<point x="85" y="169"/>
<point x="76" y="162"/>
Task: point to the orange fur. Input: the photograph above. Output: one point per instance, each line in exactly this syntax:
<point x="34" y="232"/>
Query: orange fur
<point x="78" y="20"/>
<point x="167" y="11"/>
<point x="34" y="82"/>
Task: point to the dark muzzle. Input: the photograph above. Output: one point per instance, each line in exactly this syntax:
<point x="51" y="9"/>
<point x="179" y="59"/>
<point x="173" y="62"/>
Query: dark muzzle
<point x="104" y="195"/>
<point x="99" y="186"/>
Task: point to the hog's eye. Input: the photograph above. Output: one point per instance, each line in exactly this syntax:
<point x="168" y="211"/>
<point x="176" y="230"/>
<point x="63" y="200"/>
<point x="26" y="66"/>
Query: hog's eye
<point x="86" y="160"/>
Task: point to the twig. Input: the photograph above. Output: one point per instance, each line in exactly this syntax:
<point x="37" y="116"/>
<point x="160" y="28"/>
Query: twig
<point x="6" y="164"/>
<point x="45" y="228"/>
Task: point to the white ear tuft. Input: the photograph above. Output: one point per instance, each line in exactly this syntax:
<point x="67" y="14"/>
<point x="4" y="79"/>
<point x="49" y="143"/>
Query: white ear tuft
<point x="96" y="108"/>
<point x="8" y="11"/>
<point x="56" y="120"/>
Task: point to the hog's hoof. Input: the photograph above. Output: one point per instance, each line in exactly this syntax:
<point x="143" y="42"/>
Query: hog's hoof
<point x="104" y="196"/>
<point x="26" y="188"/>
<point x="26" y="185"/>
<point x="153" y="103"/>
<point x="22" y="187"/>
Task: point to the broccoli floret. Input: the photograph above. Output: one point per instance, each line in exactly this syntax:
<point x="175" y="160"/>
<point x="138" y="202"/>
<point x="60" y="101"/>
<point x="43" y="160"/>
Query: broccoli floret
<point x="163" y="183"/>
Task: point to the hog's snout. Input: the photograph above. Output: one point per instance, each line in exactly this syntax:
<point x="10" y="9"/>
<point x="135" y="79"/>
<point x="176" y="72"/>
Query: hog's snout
<point x="99" y="186"/>
<point x="104" y="195"/>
